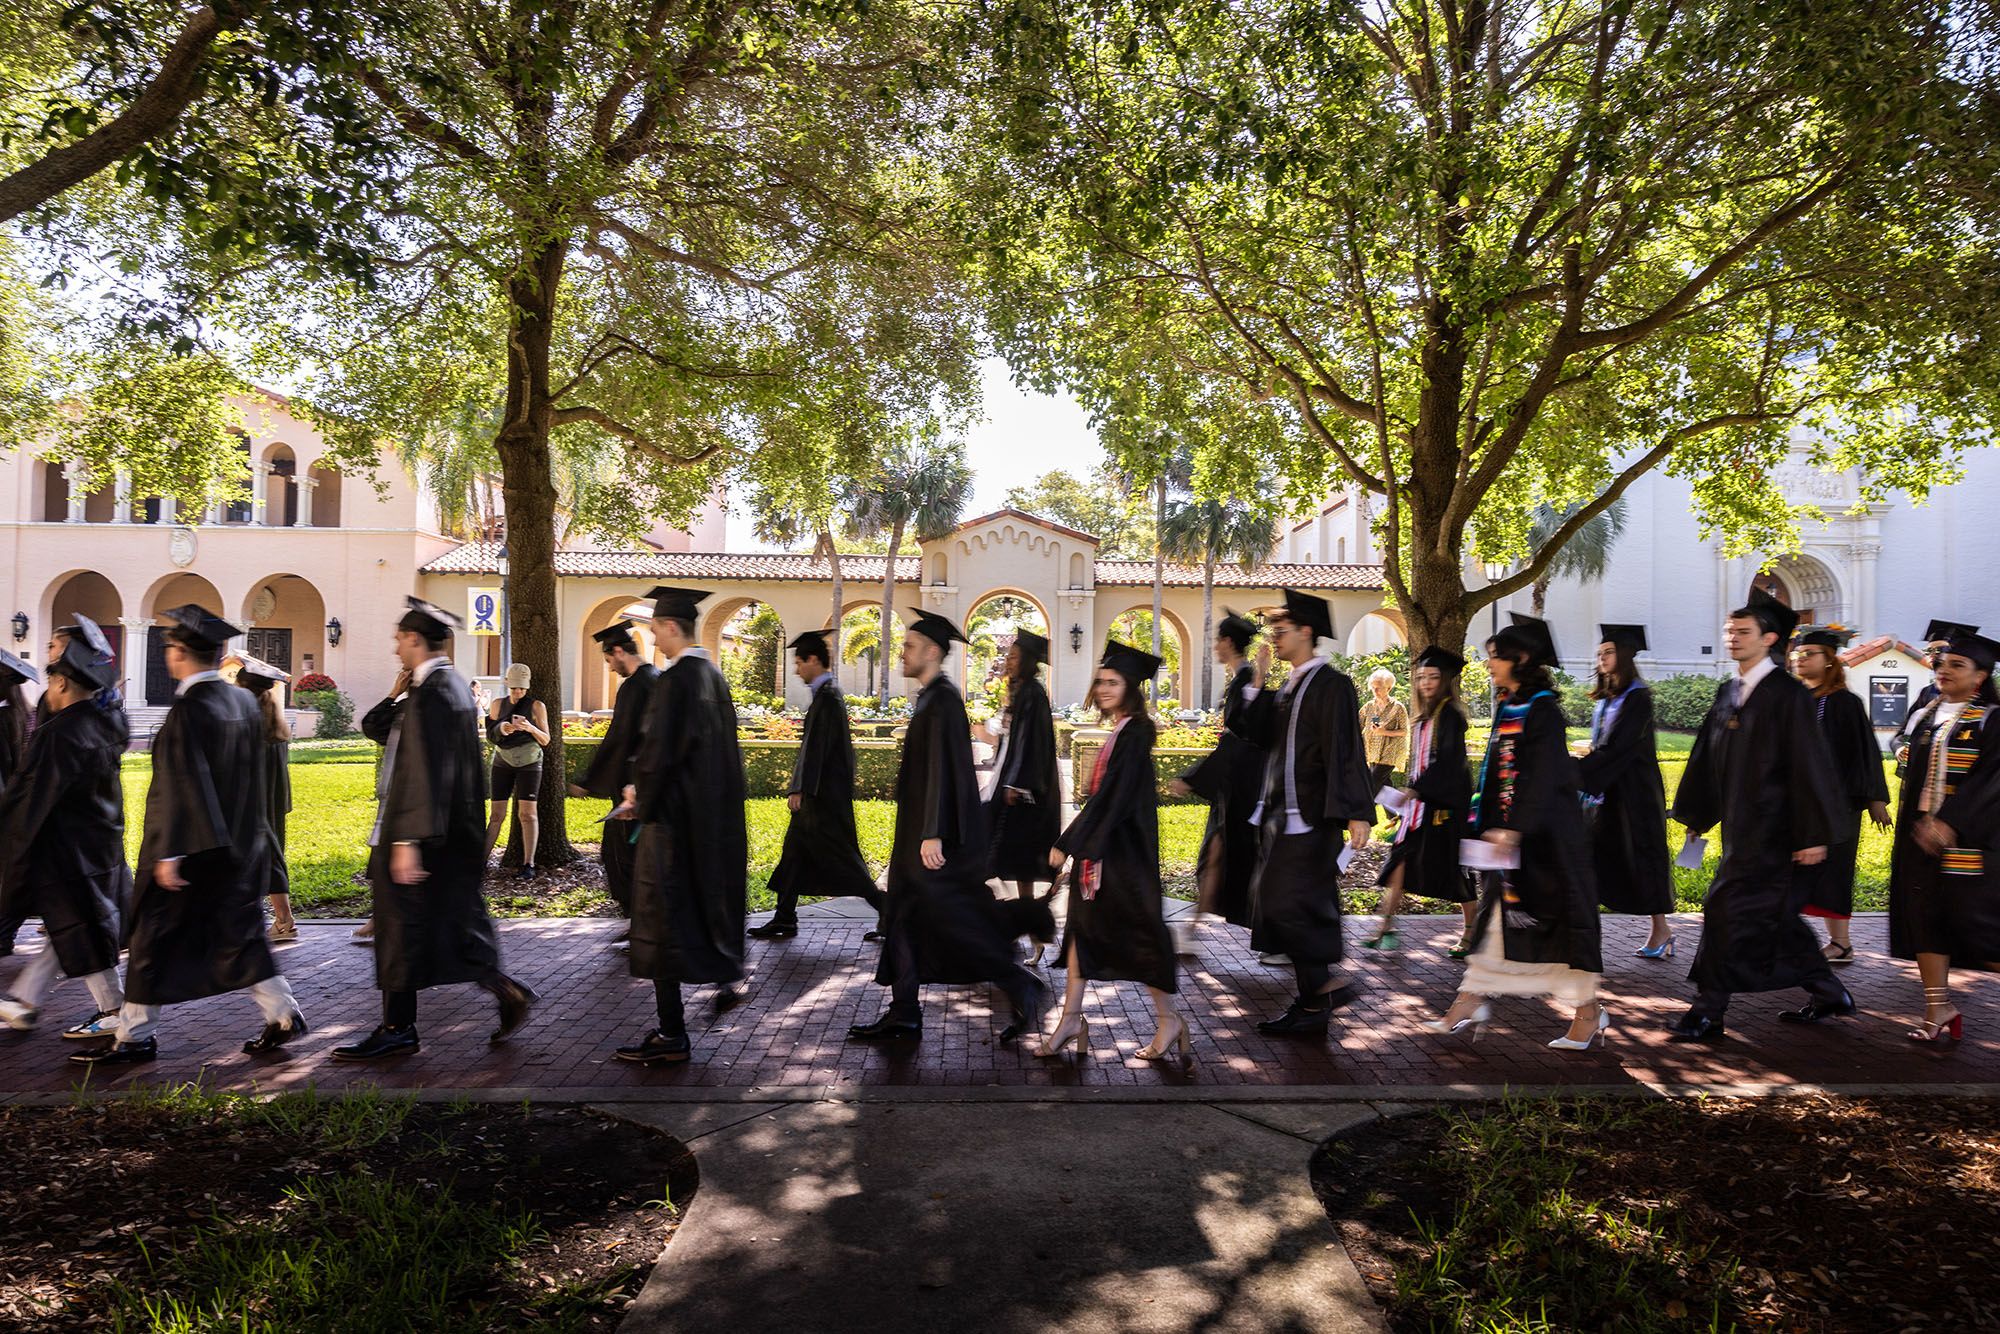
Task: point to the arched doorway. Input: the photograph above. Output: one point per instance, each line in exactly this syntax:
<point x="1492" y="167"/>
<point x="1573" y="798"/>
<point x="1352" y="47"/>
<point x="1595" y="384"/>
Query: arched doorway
<point x="81" y="593"/>
<point x="1379" y="630"/>
<point x="864" y="659"/>
<point x="286" y="617"/>
<point x="1808" y="586"/>
<point x="176" y="590"/>
<point x="746" y="638"/>
<point x="990" y="627"/>
<point x="596" y="684"/>
<point x="1134" y="626"/>
<point x="281" y="487"/>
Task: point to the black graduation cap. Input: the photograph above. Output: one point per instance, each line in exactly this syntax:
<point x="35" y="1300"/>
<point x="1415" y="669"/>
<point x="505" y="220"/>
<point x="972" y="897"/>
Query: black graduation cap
<point x="1773" y="615"/>
<point x="258" y="676"/>
<point x="813" y="644"/>
<point x="1946" y="630"/>
<point x="13" y="670"/>
<point x="1135" y="665"/>
<point x="1977" y="649"/>
<point x="935" y="628"/>
<point x="1451" y="664"/>
<point x="197" y="627"/>
<point x="1034" y="648"/>
<point x="617" y="635"/>
<point x="1632" y="638"/>
<point x="428" y="619"/>
<point x="1529" y="634"/>
<point x="1237" y="628"/>
<point x="1310" y="611"/>
<point x="677" y="604"/>
<point x="1833" y="641"/>
<point x="87" y="656"/>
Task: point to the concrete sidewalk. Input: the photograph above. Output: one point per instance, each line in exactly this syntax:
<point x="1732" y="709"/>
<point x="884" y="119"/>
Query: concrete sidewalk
<point x="921" y="1218"/>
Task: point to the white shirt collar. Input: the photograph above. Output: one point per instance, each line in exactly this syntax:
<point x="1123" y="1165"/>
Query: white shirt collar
<point x="1762" y="668"/>
<point x="188" y="683"/>
<point x="426" y="668"/>
<point x="1299" y="675"/>
<point x="819" y="681"/>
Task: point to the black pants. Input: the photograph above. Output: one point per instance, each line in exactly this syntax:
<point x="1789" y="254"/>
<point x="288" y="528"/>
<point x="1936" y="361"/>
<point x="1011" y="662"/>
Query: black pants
<point x="1312" y="976"/>
<point x="1021" y="986"/>
<point x="399" y="1008"/>
<point x="673" y="1014"/>
<point x="1823" y="987"/>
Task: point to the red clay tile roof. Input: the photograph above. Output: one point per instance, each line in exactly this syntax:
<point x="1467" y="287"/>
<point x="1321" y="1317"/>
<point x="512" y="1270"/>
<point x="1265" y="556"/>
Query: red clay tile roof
<point x="1360" y="578"/>
<point x="1855" y="654"/>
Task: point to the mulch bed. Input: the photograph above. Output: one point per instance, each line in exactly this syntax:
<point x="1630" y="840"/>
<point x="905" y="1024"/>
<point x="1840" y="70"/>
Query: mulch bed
<point x="575" y="890"/>
<point x="103" y="1206"/>
<point x="1792" y="1214"/>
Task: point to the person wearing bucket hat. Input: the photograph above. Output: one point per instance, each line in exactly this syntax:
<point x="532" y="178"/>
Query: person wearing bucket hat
<point x="518" y="727"/>
<point x="197" y="923"/>
<point x="1759" y="769"/>
<point x="62" y="840"/>
<point x="262" y="680"/>
<point x="1624" y="798"/>
<point x="1228" y="779"/>
<point x="1024" y="812"/>
<point x="1827" y="890"/>
<point x="426" y="867"/>
<point x="941" y="922"/>
<point x="613" y="762"/>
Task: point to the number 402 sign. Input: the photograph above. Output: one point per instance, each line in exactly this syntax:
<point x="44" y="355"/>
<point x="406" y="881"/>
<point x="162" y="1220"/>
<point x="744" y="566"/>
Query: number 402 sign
<point x="483" y="611"/>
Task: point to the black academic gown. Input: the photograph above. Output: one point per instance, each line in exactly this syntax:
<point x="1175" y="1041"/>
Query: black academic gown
<point x="62" y="836"/>
<point x="1955" y="910"/>
<point x="822" y="852"/>
<point x="943" y="925"/>
<point x="1428" y="851"/>
<point x="1827" y="890"/>
<point x="612" y="766"/>
<point x="1764" y="775"/>
<point x="1295" y="896"/>
<point x="11" y="755"/>
<point x="1229" y="778"/>
<point x="278" y="806"/>
<point x="432" y="792"/>
<point x="690" y="889"/>
<point x="1628" y="829"/>
<point x="1547" y="907"/>
<point x="1023" y="833"/>
<point x="1119" y="931"/>
<point x="205" y="806"/>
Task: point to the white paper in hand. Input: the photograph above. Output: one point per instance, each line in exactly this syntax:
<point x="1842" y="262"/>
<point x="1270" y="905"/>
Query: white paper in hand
<point x="1391" y="798"/>
<point x="1345" y="859"/>
<point x="1480" y="855"/>
<point x="1692" y="853"/>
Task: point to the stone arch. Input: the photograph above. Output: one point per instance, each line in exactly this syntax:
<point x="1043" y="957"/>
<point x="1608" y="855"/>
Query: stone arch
<point x="1077" y="569"/>
<point x="1809" y="586"/>
<point x="1379" y="629"/>
<point x="84" y="592"/>
<point x="940" y="571"/>
<point x="711" y="629"/>
<point x="862" y="678"/>
<point x="281" y="485"/>
<point x="51" y="492"/>
<point x="285" y="615"/>
<point x="596" y="684"/>
<point x="1183" y="688"/>
<point x="178" y="589"/>
<point x="972" y="606"/>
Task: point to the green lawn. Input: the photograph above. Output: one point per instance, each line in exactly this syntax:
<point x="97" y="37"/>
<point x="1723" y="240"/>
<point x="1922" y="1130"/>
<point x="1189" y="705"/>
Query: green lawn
<point x="334" y="805"/>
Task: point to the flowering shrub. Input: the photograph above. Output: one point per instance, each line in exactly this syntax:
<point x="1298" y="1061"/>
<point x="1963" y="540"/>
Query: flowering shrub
<point x="585" y="726"/>
<point x="313" y="681"/>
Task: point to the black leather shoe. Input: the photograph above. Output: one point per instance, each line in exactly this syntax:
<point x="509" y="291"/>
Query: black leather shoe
<point x="119" y="1053"/>
<point x="1341" y="996"/>
<point x="1022" y="1022"/>
<point x="623" y="937"/>
<point x="1813" y="1010"/>
<point x="1297" y="1021"/>
<point x="656" y="1048"/>
<point x="886" y="1029"/>
<point x="275" y="1036"/>
<point x="384" y="1041"/>
<point x="1693" y="1027"/>
<point x="515" y="1002"/>
<point x="773" y="931"/>
<point x="875" y="937"/>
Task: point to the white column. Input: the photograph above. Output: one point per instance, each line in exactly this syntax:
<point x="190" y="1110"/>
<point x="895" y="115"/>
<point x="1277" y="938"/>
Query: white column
<point x="260" y="492"/>
<point x="306" y="486"/>
<point x="122" y="503"/>
<point x="169" y="507"/>
<point x="213" y="516"/>
<point x="134" y="666"/>
<point x="73" y="474"/>
<point x="1861" y="559"/>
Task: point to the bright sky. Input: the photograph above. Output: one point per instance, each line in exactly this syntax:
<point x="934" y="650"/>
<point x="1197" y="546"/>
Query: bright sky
<point x="1025" y="434"/>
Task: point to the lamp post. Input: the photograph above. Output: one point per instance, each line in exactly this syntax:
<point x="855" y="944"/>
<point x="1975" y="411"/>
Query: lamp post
<point x="506" y="613"/>
<point x="1495" y="572"/>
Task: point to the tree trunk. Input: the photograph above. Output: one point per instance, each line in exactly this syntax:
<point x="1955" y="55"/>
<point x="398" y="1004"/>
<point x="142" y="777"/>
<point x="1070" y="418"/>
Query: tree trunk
<point x="1540" y="599"/>
<point x="1208" y="630"/>
<point x="527" y="482"/>
<point x="1431" y="561"/>
<point x="1159" y="573"/>
<point x="839" y="597"/>
<point x="888" y="608"/>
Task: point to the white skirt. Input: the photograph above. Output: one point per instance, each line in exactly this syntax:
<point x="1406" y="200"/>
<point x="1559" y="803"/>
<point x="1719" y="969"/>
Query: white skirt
<point x="1489" y="972"/>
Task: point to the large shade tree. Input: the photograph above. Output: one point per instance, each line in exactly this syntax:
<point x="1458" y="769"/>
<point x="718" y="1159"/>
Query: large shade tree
<point x="1488" y="256"/>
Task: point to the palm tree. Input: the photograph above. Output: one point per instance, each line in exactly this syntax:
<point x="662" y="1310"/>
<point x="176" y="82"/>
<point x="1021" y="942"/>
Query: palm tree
<point x="919" y="487"/>
<point x="1584" y="556"/>
<point x="1209" y="532"/>
<point x="1176" y="473"/>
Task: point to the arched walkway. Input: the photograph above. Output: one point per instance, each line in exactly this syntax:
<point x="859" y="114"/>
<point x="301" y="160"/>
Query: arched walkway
<point x="596" y="684"/>
<point x="286" y="620"/>
<point x="985" y="655"/>
<point x="1175" y="685"/>
<point x="863" y="657"/>
<point x="1378" y="630"/>
<point x="281" y="487"/>
<point x="174" y="590"/>
<point x="80" y="592"/>
<point x="734" y="626"/>
<point x="1810" y="587"/>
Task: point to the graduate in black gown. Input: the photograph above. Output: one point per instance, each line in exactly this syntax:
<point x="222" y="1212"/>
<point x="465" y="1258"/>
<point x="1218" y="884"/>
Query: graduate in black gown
<point x="1827" y="890"/>
<point x="204" y="860"/>
<point x="62" y="837"/>
<point x="1937" y="641"/>
<point x="1760" y="769"/>
<point x="17" y="718"/>
<point x="690" y="889"/>
<point x="1624" y="797"/>
<point x="1423" y="855"/>
<point x="262" y="680"/>
<point x="427" y="852"/>
<point x="1024" y="811"/>
<point x="1944" y="868"/>
<point x="942" y="922"/>
<point x="1315" y="797"/>
<point x="613" y="765"/>
<point x="822" y="852"/>
<point x="1229" y="779"/>
<point x="1116" y="931"/>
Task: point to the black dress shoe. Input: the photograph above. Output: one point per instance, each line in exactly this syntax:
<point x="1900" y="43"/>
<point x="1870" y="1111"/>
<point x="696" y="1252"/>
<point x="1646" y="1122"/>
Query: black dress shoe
<point x="515" y="1002"/>
<point x="875" y="937"/>
<point x="656" y="1048"/>
<point x="623" y="937"/>
<point x="1022" y="1022"/>
<point x="1815" y="1010"/>
<point x="1297" y="1021"/>
<point x="773" y="931"/>
<point x="887" y="1029"/>
<point x="1341" y="996"/>
<point x="275" y="1036"/>
<point x="384" y="1041"/>
<point x="1693" y="1027"/>
<point x="119" y="1053"/>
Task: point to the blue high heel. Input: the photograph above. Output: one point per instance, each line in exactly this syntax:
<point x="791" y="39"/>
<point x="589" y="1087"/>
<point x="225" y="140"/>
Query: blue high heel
<point x="1664" y="951"/>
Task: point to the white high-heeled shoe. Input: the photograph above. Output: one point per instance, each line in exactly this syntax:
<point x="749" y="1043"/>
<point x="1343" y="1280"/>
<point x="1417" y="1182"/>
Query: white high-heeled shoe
<point x="1568" y="1043"/>
<point x="1446" y="1027"/>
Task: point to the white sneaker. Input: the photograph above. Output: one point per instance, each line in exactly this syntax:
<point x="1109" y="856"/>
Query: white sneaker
<point x="1273" y="960"/>
<point x="18" y="1015"/>
<point x="97" y="1026"/>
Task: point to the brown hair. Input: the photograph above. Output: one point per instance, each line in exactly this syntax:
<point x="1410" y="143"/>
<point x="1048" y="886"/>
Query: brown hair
<point x="1131" y="704"/>
<point x="1446" y="696"/>
<point x="1623" y="673"/>
<point x="1836" y="675"/>
<point x="275" y="726"/>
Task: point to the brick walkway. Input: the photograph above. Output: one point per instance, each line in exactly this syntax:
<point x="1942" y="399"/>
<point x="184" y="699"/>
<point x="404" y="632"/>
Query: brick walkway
<point x="788" y="1038"/>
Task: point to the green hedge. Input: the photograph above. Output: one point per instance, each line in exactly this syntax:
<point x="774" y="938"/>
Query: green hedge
<point x="767" y="765"/>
